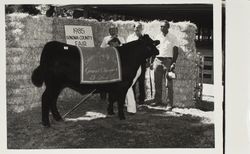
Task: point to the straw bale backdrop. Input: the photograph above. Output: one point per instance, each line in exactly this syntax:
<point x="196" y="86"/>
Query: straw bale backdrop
<point x="26" y="35"/>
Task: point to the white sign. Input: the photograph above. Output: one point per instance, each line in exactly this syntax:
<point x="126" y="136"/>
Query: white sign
<point x="81" y="36"/>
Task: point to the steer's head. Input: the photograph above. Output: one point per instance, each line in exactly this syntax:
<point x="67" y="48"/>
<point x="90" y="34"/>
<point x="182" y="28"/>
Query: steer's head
<point x="150" y="45"/>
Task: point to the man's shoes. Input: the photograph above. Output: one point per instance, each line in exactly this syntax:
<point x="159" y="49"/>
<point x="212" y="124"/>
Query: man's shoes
<point x="169" y="108"/>
<point x="131" y="113"/>
<point x="141" y="102"/>
<point x="157" y="104"/>
<point x="153" y="104"/>
<point x="162" y="104"/>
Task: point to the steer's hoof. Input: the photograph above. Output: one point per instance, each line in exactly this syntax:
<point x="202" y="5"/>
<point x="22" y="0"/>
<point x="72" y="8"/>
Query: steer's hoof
<point x="59" y="119"/>
<point x="111" y="113"/>
<point x="46" y="124"/>
<point x="122" y="117"/>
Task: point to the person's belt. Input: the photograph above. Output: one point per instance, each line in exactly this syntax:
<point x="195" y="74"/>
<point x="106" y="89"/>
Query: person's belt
<point x="164" y="58"/>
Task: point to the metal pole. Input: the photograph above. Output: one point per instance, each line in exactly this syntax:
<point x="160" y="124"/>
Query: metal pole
<point x="75" y="107"/>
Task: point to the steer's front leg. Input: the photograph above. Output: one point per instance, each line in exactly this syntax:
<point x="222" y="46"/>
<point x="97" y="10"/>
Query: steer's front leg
<point x="121" y="102"/>
<point x="111" y="102"/>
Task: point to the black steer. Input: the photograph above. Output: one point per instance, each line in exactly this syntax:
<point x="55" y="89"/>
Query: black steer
<point x="59" y="69"/>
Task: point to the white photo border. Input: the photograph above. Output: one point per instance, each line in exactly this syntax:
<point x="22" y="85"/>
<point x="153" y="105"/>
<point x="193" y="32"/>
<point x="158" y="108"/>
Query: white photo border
<point x="218" y="90"/>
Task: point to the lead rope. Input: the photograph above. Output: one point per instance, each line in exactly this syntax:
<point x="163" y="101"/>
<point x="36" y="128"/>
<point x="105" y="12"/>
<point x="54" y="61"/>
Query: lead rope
<point x="75" y="107"/>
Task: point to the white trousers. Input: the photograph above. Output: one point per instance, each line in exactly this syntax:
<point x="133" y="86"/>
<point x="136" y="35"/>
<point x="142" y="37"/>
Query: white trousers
<point x="130" y="97"/>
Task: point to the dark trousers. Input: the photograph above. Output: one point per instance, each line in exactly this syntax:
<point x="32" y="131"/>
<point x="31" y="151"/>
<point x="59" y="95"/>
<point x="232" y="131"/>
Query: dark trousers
<point x="103" y="95"/>
<point x="161" y="67"/>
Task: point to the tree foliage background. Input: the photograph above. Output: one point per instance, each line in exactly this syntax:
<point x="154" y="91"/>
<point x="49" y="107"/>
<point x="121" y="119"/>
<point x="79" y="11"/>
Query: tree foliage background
<point x="30" y="9"/>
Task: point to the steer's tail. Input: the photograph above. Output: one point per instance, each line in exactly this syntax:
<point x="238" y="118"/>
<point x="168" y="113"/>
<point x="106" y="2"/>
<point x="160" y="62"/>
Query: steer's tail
<point x="37" y="77"/>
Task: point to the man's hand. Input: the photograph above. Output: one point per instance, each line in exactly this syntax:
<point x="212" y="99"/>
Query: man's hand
<point x="151" y="61"/>
<point x="147" y="63"/>
<point x="172" y="67"/>
<point x="151" y="66"/>
<point x="114" y="42"/>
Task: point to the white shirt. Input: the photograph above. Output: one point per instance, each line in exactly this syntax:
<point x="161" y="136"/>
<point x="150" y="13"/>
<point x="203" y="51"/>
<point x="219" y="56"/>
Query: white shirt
<point x="108" y="38"/>
<point x="166" y="44"/>
<point x="132" y="37"/>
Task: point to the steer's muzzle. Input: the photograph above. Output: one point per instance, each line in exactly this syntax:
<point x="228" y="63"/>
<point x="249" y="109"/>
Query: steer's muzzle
<point x="156" y="42"/>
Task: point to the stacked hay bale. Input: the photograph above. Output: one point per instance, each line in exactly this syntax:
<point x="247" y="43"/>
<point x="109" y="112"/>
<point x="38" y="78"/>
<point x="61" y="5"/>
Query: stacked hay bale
<point x="186" y="65"/>
<point x="25" y="37"/>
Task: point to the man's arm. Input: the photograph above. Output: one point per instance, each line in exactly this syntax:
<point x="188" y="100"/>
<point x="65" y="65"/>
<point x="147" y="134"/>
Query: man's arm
<point x="151" y="62"/>
<point x="122" y="40"/>
<point x="104" y="43"/>
<point x="128" y="39"/>
<point x="175" y="48"/>
<point x="175" y="56"/>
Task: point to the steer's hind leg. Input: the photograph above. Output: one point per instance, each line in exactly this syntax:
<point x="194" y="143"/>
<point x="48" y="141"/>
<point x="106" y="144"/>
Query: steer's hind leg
<point x="46" y="98"/>
<point x="49" y="99"/>
<point x="53" y="105"/>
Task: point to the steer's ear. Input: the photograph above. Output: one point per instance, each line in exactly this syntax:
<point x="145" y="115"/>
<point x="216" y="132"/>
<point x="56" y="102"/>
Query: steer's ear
<point x="156" y="42"/>
<point x="146" y="36"/>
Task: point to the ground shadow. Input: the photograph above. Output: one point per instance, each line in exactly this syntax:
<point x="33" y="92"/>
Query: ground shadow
<point x="88" y="127"/>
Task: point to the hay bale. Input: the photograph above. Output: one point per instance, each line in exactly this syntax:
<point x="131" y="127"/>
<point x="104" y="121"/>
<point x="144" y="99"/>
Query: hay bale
<point x="26" y="36"/>
<point x="23" y="30"/>
<point x="70" y="95"/>
<point x="14" y="52"/>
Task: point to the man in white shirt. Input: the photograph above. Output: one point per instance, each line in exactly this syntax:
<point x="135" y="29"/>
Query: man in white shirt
<point x="130" y="98"/>
<point x="113" y="40"/>
<point x="138" y="28"/>
<point x="164" y="63"/>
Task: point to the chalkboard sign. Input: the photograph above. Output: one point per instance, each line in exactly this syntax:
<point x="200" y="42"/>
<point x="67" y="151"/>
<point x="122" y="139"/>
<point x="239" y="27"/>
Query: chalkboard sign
<point x="100" y="65"/>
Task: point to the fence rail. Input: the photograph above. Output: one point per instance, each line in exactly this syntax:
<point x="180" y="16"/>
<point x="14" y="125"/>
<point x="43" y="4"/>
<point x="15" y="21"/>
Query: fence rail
<point x="208" y="75"/>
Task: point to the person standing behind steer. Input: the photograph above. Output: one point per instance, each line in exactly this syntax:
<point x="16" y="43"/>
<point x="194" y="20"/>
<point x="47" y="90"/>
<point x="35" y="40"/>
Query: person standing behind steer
<point x="164" y="63"/>
<point x="113" y="40"/>
<point x="130" y="98"/>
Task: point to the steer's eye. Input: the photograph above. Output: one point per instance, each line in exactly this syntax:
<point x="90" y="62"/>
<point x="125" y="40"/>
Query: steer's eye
<point x="156" y="42"/>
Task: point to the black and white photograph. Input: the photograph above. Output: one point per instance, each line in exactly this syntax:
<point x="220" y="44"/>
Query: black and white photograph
<point x="95" y="75"/>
